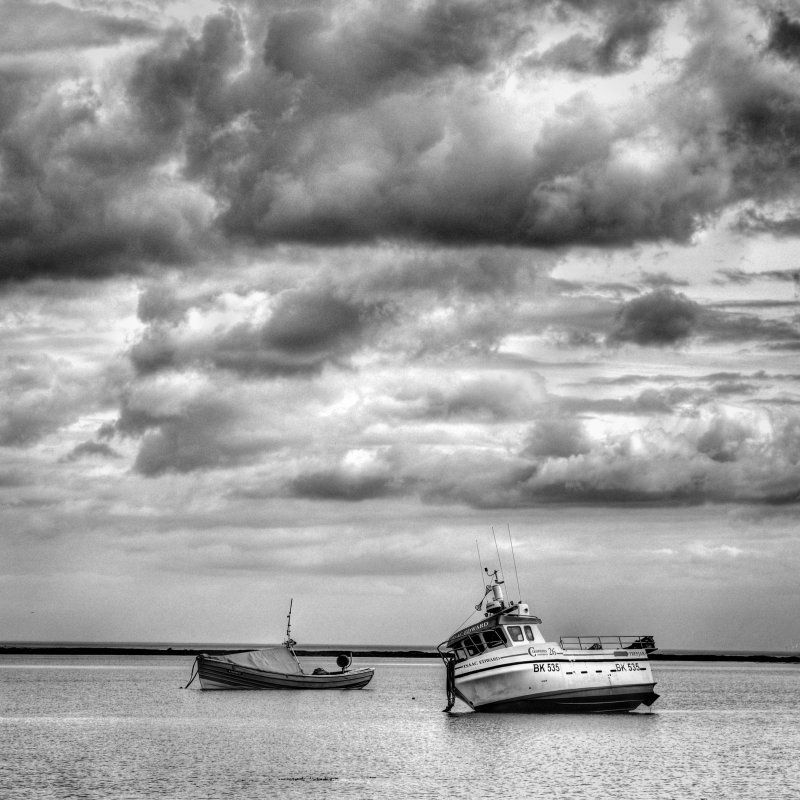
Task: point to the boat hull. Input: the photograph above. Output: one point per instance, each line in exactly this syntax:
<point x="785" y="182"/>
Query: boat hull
<point x="215" y="674"/>
<point x="522" y="682"/>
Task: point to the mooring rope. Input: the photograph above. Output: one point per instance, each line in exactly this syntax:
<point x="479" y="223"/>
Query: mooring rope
<point x="194" y="673"/>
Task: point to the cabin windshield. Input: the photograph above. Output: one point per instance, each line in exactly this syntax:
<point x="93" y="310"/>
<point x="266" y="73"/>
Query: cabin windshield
<point x="475" y="644"/>
<point x="494" y="638"/>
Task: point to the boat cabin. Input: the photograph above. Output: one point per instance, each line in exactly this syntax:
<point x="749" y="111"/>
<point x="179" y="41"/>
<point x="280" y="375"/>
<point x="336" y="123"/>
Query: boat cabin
<point x="505" y="630"/>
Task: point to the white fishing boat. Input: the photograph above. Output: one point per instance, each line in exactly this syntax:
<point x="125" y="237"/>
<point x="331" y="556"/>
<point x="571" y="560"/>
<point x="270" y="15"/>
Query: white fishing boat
<point x="505" y="664"/>
<point x="274" y="668"/>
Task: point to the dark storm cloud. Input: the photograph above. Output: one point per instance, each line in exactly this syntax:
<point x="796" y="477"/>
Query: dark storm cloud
<point x="91" y="449"/>
<point x="305" y="330"/>
<point x="355" y="136"/>
<point x="733" y="388"/>
<point x="784" y="37"/>
<point x="387" y="44"/>
<point x="340" y="485"/>
<point x="659" y="280"/>
<point x="82" y="191"/>
<point x="192" y="443"/>
<point x="478" y="271"/>
<point x="336" y="123"/>
<point x="663" y="318"/>
<point x="307" y="322"/>
<point x="205" y="432"/>
<point x="66" y="213"/>
<point x="620" y="45"/>
<point x="660" y="318"/>
<point x="758" y="108"/>
<point x="185" y="85"/>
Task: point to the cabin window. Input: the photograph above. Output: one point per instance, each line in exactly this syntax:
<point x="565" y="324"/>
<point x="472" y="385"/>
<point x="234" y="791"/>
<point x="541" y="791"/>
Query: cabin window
<point x="515" y="632"/>
<point x="528" y="633"/>
<point x="460" y="650"/>
<point x="493" y="638"/>
<point x="474" y="645"/>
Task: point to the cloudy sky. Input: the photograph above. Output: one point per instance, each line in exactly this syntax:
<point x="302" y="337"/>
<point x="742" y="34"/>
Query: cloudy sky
<point x="304" y="299"/>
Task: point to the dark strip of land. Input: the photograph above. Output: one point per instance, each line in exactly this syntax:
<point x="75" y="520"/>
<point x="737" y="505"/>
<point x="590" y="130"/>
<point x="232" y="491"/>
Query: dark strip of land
<point x="105" y="650"/>
<point x="751" y="657"/>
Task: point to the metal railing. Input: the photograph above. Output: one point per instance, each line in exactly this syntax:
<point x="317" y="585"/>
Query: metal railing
<point x="631" y="642"/>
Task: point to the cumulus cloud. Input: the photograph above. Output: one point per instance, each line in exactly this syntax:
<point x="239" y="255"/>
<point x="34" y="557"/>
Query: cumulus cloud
<point x="721" y="455"/>
<point x="623" y="39"/>
<point x="39" y="395"/>
<point x="358" y="476"/>
<point x="659" y="318"/>
<point x="660" y="280"/>
<point x="91" y="449"/>
<point x="298" y="332"/>
<point x="355" y="57"/>
<point x="734" y="326"/>
<point x="558" y="438"/>
<point x="784" y="36"/>
<point x="333" y="485"/>
<point x="364" y="123"/>
<point x="497" y="395"/>
<point x="194" y="432"/>
<point x="364" y="127"/>
<point x="751" y="221"/>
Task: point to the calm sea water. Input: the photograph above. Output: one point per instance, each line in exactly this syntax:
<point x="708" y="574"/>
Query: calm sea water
<point x="123" y="727"/>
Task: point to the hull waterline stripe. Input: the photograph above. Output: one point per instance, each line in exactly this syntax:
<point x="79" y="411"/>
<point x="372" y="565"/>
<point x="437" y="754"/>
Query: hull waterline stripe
<point x="529" y="661"/>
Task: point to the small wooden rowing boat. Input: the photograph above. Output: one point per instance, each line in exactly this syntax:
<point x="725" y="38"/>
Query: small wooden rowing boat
<point x="274" y="668"/>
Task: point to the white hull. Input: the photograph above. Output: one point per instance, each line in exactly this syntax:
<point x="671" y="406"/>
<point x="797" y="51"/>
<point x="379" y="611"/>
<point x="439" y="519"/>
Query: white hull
<point x="504" y="663"/>
<point x="551" y="679"/>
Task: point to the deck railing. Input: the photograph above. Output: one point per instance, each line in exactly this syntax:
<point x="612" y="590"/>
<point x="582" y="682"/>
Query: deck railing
<point x="632" y="642"/>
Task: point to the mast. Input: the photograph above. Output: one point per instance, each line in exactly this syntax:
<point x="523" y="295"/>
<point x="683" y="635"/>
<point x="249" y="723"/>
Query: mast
<point x="289" y="641"/>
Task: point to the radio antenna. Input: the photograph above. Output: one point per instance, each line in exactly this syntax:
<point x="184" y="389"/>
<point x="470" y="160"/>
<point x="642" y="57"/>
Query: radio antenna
<point x="480" y="563"/>
<point x="499" y="561"/>
<point x="514" y="558"/>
